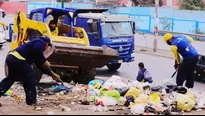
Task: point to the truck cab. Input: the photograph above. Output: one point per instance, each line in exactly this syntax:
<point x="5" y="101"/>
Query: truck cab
<point x="103" y="29"/>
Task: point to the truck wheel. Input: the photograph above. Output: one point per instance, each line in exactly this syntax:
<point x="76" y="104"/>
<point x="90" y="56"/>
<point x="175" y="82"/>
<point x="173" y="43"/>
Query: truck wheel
<point x="84" y="76"/>
<point x="1" y="46"/>
<point x="38" y="73"/>
<point x="114" y="67"/>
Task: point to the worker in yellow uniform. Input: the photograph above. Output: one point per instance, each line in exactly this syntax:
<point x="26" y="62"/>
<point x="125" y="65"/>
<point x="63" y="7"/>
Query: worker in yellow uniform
<point x="53" y="28"/>
<point x="181" y="44"/>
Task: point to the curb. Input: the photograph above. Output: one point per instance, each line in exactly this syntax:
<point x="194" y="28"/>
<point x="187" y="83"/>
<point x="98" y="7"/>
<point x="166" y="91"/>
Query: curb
<point x="149" y="52"/>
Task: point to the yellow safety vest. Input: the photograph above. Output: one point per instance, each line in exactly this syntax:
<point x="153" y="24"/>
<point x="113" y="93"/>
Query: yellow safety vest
<point x="55" y="32"/>
<point x="17" y="55"/>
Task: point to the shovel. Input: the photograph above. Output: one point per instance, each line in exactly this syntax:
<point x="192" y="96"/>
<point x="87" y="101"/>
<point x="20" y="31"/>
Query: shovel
<point x="174" y="74"/>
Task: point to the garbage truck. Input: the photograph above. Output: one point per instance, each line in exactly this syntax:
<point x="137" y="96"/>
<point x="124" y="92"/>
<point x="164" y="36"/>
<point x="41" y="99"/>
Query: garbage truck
<point x="103" y="29"/>
<point x="71" y="56"/>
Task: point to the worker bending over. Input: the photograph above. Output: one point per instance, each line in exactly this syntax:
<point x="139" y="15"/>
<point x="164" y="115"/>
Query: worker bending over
<point x="181" y="44"/>
<point x="143" y="74"/>
<point x="19" y="63"/>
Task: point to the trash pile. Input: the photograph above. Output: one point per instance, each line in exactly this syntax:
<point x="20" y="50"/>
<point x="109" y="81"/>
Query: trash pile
<point x="139" y="98"/>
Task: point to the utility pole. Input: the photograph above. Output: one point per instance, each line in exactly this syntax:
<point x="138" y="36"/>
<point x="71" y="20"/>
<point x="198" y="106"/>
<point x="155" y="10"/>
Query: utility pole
<point x="62" y="3"/>
<point x="156" y="28"/>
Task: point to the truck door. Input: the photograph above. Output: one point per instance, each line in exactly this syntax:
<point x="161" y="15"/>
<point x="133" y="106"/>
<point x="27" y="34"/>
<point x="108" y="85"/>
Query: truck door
<point x="94" y="32"/>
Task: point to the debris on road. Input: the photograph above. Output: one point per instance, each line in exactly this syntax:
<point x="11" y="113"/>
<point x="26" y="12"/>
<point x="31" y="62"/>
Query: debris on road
<point x="50" y="113"/>
<point x="38" y="108"/>
<point x="118" y="95"/>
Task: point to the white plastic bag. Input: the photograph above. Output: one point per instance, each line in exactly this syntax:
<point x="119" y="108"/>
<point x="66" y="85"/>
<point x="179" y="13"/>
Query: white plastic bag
<point x="138" y="109"/>
<point x="114" y="82"/>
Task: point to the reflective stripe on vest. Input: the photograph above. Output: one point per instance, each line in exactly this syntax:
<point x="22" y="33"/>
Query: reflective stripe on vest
<point x="17" y="55"/>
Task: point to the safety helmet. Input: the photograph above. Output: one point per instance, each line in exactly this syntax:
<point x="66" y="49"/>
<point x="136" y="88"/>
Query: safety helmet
<point x="46" y="39"/>
<point x="167" y="37"/>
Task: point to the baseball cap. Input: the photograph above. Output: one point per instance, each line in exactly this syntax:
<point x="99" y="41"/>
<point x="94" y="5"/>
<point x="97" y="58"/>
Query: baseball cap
<point x="46" y="39"/>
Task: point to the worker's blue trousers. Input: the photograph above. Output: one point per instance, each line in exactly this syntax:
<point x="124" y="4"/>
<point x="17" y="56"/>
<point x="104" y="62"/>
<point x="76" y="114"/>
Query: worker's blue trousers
<point x="186" y="72"/>
<point x="20" y="70"/>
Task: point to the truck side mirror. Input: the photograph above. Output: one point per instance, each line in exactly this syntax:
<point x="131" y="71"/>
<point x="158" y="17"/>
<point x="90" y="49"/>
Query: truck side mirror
<point x="133" y="27"/>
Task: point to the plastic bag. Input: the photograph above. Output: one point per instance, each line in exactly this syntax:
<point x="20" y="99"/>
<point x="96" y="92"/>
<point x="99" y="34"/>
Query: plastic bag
<point x="134" y="92"/>
<point x="184" y="102"/>
<point x="122" y="101"/>
<point x="138" y="109"/>
<point x="142" y="99"/>
<point x="115" y="82"/>
<point x="79" y="88"/>
<point x="106" y="101"/>
<point x="111" y="93"/>
<point x="154" y="98"/>
<point x="96" y="83"/>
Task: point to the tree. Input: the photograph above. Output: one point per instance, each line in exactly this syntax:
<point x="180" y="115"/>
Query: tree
<point x="145" y="3"/>
<point x="109" y="3"/>
<point x="192" y="5"/>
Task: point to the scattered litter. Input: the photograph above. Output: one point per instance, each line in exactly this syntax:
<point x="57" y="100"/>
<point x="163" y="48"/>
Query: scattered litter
<point x="86" y="103"/>
<point x="73" y="103"/>
<point x="50" y="113"/>
<point x="117" y="94"/>
<point x="115" y="82"/>
<point x="38" y="108"/>
<point x="65" y="109"/>
<point x="106" y="101"/>
<point x="198" y="110"/>
<point x="138" y="109"/>
<point x="111" y="93"/>
<point x="99" y="108"/>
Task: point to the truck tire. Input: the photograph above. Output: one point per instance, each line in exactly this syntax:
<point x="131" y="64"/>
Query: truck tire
<point x="84" y="76"/>
<point x="1" y="46"/>
<point x="38" y="73"/>
<point x="114" y="67"/>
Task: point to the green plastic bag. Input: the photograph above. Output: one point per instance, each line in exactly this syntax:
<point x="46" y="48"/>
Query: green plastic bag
<point x="111" y="93"/>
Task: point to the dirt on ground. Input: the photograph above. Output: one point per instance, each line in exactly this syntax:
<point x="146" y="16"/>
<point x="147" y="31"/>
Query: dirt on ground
<point x="58" y="104"/>
<point x="52" y="105"/>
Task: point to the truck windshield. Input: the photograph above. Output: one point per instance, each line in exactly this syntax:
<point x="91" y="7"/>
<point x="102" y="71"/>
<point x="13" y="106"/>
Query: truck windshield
<point x="120" y="29"/>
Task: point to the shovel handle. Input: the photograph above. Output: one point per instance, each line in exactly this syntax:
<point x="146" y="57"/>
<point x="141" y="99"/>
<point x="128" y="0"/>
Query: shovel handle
<point x="174" y="73"/>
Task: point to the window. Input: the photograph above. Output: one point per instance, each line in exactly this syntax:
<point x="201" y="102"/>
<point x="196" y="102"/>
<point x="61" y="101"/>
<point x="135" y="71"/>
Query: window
<point x="92" y="25"/>
<point x="64" y="20"/>
<point x="38" y="17"/>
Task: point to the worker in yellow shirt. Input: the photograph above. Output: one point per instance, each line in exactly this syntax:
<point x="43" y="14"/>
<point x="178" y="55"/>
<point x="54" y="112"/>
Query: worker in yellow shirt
<point x="53" y="28"/>
<point x="181" y="44"/>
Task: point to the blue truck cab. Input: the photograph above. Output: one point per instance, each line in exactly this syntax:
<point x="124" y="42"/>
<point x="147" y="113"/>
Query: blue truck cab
<point x="103" y="29"/>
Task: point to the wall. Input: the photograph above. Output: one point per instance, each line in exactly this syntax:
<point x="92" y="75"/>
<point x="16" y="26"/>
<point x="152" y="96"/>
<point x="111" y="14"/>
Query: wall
<point x="13" y="7"/>
<point x="34" y="5"/>
<point x="178" y="20"/>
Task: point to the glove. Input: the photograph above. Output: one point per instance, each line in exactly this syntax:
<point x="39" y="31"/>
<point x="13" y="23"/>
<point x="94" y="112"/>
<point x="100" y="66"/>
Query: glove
<point x="56" y="77"/>
<point x="176" y="66"/>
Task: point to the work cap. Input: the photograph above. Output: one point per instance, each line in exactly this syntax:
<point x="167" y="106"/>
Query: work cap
<point x="167" y="37"/>
<point x="46" y="39"/>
